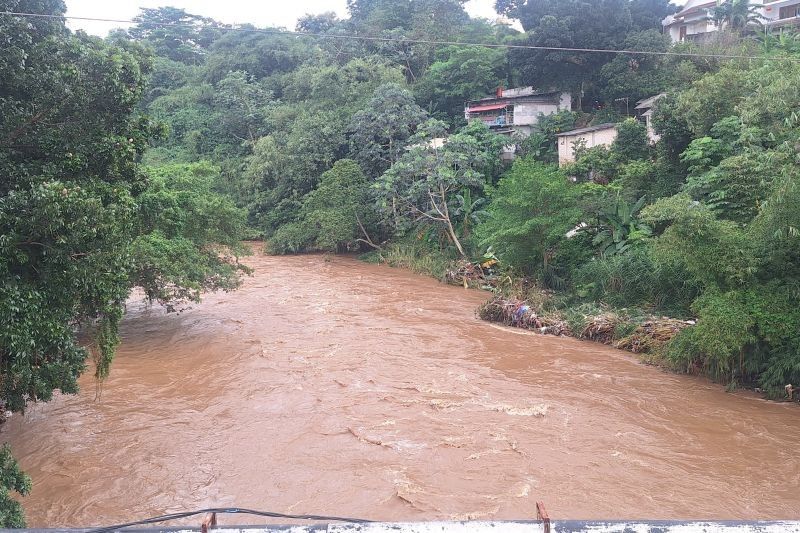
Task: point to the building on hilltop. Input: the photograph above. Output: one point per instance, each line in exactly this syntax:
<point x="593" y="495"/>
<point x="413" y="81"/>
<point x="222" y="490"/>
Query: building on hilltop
<point x="512" y="111"/>
<point x="693" y="22"/>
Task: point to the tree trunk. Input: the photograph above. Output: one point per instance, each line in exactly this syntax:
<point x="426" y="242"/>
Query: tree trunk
<point x="455" y="238"/>
<point x="366" y="239"/>
<point x="446" y="212"/>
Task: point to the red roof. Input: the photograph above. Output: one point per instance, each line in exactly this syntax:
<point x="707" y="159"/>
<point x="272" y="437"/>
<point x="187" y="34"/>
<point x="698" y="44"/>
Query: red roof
<point x="486" y="107"/>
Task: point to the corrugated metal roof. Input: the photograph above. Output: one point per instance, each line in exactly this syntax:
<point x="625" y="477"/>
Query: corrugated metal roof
<point x="536" y="96"/>
<point x="648" y="102"/>
<point x="486" y="107"/>
<point x="606" y="126"/>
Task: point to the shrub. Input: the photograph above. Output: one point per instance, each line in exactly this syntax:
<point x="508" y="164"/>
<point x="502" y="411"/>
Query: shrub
<point x="290" y="239"/>
<point x="719" y="340"/>
<point x="637" y="279"/>
<point x="532" y="208"/>
<point x="631" y="142"/>
<point x="336" y="207"/>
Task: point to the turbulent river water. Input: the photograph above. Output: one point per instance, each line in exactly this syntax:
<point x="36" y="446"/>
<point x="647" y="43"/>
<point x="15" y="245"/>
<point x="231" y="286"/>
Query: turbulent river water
<point x="337" y="387"/>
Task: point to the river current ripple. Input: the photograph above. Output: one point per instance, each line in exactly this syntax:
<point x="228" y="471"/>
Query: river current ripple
<point x="330" y="386"/>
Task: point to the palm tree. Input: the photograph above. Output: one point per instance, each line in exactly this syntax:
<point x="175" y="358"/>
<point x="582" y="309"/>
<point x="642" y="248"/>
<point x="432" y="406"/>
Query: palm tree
<point x="736" y="15"/>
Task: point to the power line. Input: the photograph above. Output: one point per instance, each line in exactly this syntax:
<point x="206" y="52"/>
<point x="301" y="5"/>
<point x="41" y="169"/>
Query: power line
<point x="403" y="39"/>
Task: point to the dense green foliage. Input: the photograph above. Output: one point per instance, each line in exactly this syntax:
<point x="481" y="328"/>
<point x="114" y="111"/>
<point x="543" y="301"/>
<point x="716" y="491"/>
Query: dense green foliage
<point x="421" y="187"/>
<point x="11" y="478"/>
<point x="81" y="223"/>
<point x="381" y="131"/>
<point x="531" y="209"/>
<point x="188" y="237"/>
<point x="67" y="201"/>
<point x="599" y="25"/>
<point x="334" y="217"/>
<point x="461" y="74"/>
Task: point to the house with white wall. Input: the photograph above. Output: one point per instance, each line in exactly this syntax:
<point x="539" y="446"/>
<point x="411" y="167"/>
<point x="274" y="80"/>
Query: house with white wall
<point x="517" y="110"/>
<point x="692" y="23"/>
<point x="600" y="135"/>
<point x="780" y="13"/>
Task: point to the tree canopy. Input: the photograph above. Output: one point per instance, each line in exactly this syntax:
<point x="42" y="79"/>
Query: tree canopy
<point x="76" y="209"/>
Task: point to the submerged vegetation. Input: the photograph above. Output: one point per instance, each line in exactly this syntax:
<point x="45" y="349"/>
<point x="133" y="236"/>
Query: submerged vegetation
<point x="143" y="159"/>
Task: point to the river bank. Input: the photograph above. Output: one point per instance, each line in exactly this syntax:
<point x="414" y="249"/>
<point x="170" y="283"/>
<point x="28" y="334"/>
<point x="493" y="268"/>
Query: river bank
<point x="519" y="302"/>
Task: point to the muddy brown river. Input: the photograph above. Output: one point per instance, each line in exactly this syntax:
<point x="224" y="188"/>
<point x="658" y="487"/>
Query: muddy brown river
<point x="337" y="387"/>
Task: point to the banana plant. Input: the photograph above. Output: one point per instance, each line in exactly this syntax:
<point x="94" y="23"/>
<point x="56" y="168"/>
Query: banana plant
<point x="786" y="40"/>
<point x="468" y="211"/>
<point x="619" y="228"/>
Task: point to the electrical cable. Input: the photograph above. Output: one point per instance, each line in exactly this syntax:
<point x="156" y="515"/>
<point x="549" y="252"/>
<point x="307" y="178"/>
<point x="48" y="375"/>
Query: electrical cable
<point x="224" y="510"/>
<point x="405" y="40"/>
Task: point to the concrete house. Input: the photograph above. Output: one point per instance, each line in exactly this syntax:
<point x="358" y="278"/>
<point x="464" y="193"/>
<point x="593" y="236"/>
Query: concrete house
<point x="692" y="22"/>
<point x="512" y="111"/>
<point x="600" y="135"/>
<point x="780" y="13"/>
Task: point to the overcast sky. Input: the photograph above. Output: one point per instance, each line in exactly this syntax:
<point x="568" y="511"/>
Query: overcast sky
<point x="258" y="12"/>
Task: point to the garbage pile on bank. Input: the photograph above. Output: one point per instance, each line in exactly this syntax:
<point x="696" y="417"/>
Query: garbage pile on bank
<point x="642" y="335"/>
<point x="601" y="328"/>
<point x="652" y="334"/>
<point x="519" y="314"/>
<point x="466" y="273"/>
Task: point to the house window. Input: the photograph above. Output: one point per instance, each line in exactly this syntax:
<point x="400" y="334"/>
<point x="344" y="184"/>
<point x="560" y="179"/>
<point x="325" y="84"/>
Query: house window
<point x="788" y="12"/>
<point x="682" y="36"/>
